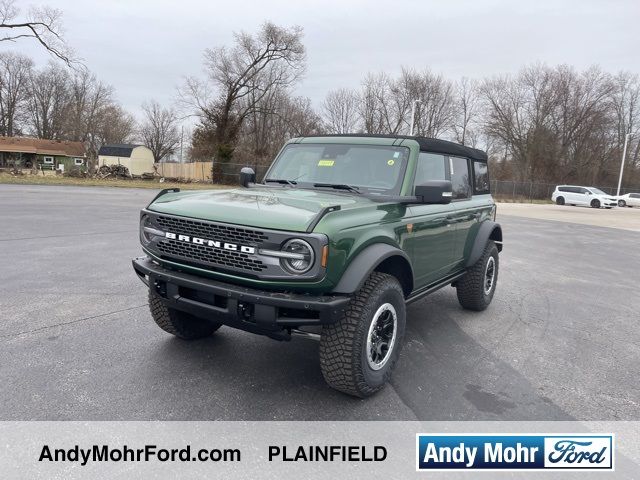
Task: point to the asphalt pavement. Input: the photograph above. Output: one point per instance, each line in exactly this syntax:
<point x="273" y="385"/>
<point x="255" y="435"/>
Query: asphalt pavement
<point x="560" y="341"/>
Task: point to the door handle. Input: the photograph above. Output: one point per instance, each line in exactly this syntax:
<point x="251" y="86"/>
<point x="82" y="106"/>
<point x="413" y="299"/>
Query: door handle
<point x="449" y="220"/>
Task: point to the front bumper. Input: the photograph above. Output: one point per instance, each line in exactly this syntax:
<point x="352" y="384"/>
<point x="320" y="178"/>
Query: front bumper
<point x="258" y="311"/>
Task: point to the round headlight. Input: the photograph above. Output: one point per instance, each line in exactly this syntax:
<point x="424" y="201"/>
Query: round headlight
<point x="300" y="258"/>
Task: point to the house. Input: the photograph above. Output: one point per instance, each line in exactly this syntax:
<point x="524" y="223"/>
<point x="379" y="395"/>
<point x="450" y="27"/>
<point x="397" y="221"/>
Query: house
<point x="137" y="158"/>
<point x="28" y="152"/>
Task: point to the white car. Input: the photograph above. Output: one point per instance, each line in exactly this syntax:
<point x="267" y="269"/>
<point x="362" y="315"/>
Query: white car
<point x="629" y="200"/>
<point x="586" y="196"/>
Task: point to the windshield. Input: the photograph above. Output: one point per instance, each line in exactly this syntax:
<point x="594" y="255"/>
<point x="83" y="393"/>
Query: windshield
<point x="368" y="168"/>
<point x="597" y="191"/>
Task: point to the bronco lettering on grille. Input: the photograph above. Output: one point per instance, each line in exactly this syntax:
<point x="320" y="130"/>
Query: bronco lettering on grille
<point x="210" y="243"/>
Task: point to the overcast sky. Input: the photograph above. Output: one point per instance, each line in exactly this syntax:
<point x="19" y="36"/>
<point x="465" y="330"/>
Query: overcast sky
<point x="145" y="47"/>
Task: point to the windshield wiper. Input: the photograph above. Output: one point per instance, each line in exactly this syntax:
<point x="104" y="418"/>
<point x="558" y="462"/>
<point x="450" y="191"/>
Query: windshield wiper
<point x="338" y="186"/>
<point x="281" y="181"/>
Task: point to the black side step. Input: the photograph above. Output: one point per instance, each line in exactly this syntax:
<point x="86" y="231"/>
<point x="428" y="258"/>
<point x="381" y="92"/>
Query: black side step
<point x="433" y="287"/>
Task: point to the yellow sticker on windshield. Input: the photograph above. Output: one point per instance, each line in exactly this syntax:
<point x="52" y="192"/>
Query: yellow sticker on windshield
<point x="391" y="162"/>
<point x="326" y="163"/>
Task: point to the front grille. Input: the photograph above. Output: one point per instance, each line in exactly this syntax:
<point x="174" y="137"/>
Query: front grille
<point x="242" y="236"/>
<point x="210" y="255"/>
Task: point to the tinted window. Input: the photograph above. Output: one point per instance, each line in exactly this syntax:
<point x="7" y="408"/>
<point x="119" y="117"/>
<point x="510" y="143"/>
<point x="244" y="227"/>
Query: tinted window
<point x="460" y="180"/>
<point x="563" y="189"/>
<point x="481" y="177"/>
<point x="430" y="166"/>
<point x="634" y="195"/>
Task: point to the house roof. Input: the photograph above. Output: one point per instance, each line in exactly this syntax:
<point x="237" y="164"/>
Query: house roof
<point x="117" y="150"/>
<point x="42" y="146"/>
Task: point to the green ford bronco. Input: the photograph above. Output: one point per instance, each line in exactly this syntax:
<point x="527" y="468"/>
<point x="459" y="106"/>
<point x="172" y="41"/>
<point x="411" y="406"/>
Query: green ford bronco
<point x="341" y="234"/>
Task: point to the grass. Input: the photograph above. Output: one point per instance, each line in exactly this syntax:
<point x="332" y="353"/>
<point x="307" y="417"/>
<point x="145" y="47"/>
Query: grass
<point x="6" y="178"/>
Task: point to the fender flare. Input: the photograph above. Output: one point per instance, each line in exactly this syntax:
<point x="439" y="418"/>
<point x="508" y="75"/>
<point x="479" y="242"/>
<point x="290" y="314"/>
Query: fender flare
<point x="489" y="230"/>
<point x="366" y="262"/>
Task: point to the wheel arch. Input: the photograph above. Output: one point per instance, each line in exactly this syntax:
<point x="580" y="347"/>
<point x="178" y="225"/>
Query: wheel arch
<point x="379" y="257"/>
<point x="489" y="230"/>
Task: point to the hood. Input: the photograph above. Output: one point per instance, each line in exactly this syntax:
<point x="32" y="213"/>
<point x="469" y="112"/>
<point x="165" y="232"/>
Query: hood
<point x="277" y="208"/>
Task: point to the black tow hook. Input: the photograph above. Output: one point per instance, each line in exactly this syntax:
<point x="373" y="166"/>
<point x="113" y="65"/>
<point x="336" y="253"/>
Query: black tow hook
<point x="246" y="312"/>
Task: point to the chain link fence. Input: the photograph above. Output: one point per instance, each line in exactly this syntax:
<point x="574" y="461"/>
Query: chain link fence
<point x="534" y="192"/>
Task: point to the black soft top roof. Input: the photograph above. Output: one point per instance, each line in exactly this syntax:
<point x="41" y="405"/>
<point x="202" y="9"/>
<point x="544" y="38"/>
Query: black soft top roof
<point x="433" y="145"/>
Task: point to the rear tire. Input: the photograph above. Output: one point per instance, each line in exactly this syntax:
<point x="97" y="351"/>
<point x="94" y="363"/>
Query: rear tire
<point x="353" y="356"/>
<point x="181" y="324"/>
<point x="595" y="203"/>
<point x="476" y="288"/>
<point x="560" y="201"/>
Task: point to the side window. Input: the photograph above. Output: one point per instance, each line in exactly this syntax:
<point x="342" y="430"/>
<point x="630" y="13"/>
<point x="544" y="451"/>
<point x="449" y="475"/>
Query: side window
<point x="480" y="177"/>
<point x="431" y="166"/>
<point x="460" y="179"/>
<point x="635" y="195"/>
<point x="563" y="189"/>
<point x="584" y="191"/>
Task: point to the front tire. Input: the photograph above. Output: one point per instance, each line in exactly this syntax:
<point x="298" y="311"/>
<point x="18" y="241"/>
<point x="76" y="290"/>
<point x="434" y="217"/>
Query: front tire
<point x="476" y="288"/>
<point x="622" y="203"/>
<point x="360" y="350"/>
<point x="181" y="324"/>
<point x="595" y="203"/>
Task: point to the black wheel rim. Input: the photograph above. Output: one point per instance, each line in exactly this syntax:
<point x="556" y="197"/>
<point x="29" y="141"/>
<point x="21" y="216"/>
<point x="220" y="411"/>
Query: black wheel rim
<point x="489" y="275"/>
<point x="382" y="336"/>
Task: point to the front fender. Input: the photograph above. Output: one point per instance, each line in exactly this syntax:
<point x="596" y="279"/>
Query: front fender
<point x="366" y="262"/>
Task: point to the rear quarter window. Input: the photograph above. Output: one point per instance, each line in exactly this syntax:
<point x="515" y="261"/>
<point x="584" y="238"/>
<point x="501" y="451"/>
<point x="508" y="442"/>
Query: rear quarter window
<point x="481" y="178"/>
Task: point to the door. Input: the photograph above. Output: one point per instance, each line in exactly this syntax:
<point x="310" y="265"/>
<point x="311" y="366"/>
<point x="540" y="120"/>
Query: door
<point x="466" y="214"/>
<point x="583" y="196"/>
<point x="430" y="243"/>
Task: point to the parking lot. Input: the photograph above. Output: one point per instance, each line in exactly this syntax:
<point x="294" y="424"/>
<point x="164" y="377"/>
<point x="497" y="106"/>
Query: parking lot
<point x="560" y="341"/>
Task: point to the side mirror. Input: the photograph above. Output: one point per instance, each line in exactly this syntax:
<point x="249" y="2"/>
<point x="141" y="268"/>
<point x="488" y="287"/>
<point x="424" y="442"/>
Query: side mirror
<point x="247" y="176"/>
<point x="435" y="191"/>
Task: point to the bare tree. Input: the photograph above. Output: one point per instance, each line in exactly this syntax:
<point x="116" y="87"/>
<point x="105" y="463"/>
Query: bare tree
<point x="386" y="103"/>
<point x="435" y="113"/>
<point x="49" y="102"/>
<point x="625" y="101"/>
<point x="159" y="130"/>
<point x="114" y="125"/>
<point x="15" y="70"/>
<point x="88" y="97"/>
<point x="41" y="24"/>
<point x="340" y="111"/>
<point x="375" y="91"/>
<point x="238" y="78"/>
<point x="278" y="118"/>
<point x="467" y="106"/>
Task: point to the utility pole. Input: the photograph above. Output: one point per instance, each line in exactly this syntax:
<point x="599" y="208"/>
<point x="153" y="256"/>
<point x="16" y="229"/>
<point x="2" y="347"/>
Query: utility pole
<point x="624" y="157"/>
<point x="413" y="114"/>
